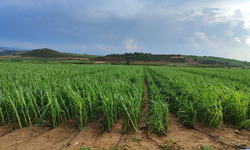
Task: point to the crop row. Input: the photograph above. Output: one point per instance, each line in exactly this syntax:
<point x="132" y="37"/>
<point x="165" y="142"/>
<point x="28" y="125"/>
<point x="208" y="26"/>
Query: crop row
<point x="208" y="99"/>
<point x="158" y="116"/>
<point x="51" y="94"/>
<point x="238" y="77"/>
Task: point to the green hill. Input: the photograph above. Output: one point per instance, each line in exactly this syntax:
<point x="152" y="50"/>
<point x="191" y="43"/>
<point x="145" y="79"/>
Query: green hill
<point x="45" y="53"/>
<point x="136" y="58"/>
<point x="172" y="60"/>
<point x="211" y="60"/>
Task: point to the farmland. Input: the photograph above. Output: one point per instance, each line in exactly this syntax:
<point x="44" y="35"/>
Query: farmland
<point x="133" y="99"/>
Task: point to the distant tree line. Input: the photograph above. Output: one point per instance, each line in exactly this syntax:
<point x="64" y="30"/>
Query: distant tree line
<point x="208" y="66"/>
<point x="213" y="62"/>
<point x="137" y="56"/>
<point x="178" y="60"/>
<point x="16" y="60"/>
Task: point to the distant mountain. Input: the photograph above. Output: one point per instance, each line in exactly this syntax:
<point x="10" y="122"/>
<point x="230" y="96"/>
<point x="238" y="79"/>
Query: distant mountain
<point x="12" y="48"/>
<point x="10" y="52"/>
<point x="4" y="51"/>
<point x="45" y="53"/>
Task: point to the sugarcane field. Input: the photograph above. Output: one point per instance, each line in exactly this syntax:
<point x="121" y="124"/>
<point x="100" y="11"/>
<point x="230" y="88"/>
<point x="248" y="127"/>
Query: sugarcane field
<point x="50" y="106"/>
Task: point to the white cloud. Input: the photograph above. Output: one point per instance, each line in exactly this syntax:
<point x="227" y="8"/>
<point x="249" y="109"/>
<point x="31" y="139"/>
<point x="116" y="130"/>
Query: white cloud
<point x="101" y="47"/>
<point x="131" y="47"/>
<point x="247" y="24"/>
<point x="197" y="13"/>
<point x="239" y="55"/>
<point x="237" y="39"/>
<point x="194" y="43"/>
<point x="107" y="48"/>
<point x="248" y="41"/>
<point x="131" y="44"/>
<point x="229" y="33"/>
<point x="201" y="35"/>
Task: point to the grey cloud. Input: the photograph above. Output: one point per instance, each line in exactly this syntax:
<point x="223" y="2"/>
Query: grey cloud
<point x="162" y="26"/>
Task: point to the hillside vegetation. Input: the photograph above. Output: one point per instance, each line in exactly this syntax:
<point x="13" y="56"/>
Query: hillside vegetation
<point x="45" y="53"/>
<point x="210" y="60"/>
<point x="136" y="58"/>
<point x="141" y="57"/>
<point x="176" y="59"/>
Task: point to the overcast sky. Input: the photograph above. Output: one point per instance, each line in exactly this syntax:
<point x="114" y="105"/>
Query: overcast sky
<point x="193" y="27"/>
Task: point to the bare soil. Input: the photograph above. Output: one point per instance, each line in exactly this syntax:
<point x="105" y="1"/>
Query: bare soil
<point x="40" y="137"/>
<point x="191" y="61"/>
<point x="99" y="62"/>
<point x="192" y="139"/>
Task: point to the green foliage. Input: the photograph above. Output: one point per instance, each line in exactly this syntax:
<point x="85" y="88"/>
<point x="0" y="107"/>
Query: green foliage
<point x="208" y="95"/>
<point x="84" y="56"/>
<point x="176" y="64"/>
<point x="138" y="57"/>
<point x="158" y="119"/>
<point x="178" y="59"/>
<point x="222" y="61"/>
<point x="128" y="63"/>
<point x="206" y="147"/>
<point x="136" y="139"/>
<point x="187" y="114"/>
<point x="45" y="53"/>
<point x="142" y="64"/>
<point x="208" y="66"/>
<point x="85" y="148"/>
<point x="51" y="94"/>
<point x="48" y="94"/>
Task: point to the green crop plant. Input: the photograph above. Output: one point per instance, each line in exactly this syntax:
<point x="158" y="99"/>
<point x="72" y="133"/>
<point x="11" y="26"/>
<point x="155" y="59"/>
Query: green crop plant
<point x="136" y="139"/>
<point x="158" y="115"/>
<point x="51" y="94"/>
<point x="210" y="98"/>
